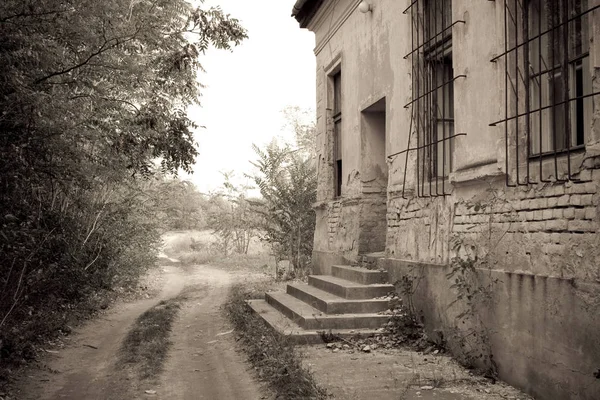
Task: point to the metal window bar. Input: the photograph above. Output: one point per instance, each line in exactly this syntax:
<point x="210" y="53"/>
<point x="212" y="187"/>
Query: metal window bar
<point x="540" y="108"/>
<point x="432" y="116"/>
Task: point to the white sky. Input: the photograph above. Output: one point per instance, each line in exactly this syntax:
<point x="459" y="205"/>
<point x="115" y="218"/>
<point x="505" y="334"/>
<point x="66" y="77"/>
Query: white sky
<point x="246" y="89"/>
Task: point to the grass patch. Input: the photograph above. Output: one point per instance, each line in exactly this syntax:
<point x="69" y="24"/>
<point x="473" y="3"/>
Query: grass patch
<point x="147" y="344"/>
<point x="273" y="356"/>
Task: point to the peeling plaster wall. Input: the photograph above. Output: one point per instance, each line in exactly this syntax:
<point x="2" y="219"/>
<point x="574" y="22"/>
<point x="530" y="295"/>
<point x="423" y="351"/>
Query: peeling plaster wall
<point x="541" y="242"/>
<point x="366" y="48"/>
<point x="542" y="249"/>
<point x="543" y="330"/>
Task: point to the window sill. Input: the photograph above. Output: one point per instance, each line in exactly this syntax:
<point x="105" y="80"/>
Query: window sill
<point x="561" y="153"/>
<point x="548" y="165"/>
<point x="476" y="173"/>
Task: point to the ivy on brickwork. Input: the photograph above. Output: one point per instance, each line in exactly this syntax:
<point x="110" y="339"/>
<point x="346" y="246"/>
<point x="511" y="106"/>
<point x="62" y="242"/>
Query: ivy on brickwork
<point x="473" y="289"/>
<point x="471" y="334"/>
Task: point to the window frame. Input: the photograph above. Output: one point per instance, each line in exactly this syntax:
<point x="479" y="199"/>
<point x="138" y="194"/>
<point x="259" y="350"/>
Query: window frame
<point x="335" y="80"/>
<point x="556" y="165"/>
<point x="572" y="73"/>
<point x="432" y="103"/>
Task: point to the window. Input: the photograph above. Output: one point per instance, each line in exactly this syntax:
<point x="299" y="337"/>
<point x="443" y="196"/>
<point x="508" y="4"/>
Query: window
<point x="548" y="88"/>
<point x="337" y="131"/>
<point x="439" y="113"/>
<point x="432" y="93"/>
<point x="558" y="59"/>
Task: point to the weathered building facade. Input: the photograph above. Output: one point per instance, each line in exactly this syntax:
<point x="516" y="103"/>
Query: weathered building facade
<point x="459" y="134"/>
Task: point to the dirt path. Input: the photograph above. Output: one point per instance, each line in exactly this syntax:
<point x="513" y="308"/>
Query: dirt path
<point x="202" y="363"/>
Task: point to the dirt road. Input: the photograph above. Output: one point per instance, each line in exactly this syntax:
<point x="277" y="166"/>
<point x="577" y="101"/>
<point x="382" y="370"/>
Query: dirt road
<point x="203" y="362"/>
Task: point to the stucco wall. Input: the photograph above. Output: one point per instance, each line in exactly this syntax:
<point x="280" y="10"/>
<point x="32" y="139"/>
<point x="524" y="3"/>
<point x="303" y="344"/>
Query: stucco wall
<point x="369" y="54"/>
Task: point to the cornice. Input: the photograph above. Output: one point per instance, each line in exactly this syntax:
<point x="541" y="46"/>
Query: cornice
<point x="321" y="17"/>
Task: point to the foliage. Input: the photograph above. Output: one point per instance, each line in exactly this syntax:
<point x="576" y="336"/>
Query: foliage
<point x="474" y="289"/>
<point x="230" y="217"/>
<point x="471" y="294"/>
<point x="274" y="356"/>
<point x="93" y="94"/>
<point x="301" y="122"/>
<point x="182" y="207"/>
<point x="406" y="287"/>
<point x="286" y="178"/>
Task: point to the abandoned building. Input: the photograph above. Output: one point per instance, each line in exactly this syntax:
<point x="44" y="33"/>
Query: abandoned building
<point x="459" y="149"/>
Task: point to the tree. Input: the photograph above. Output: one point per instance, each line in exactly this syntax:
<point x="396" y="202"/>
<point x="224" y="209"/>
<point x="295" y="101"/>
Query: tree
<point x="302" y="123"/>
<point x="179" y="204"/>
<point x="286" y="178"/>
<point x="230" y="217"/>
<point x="92" y="95"/>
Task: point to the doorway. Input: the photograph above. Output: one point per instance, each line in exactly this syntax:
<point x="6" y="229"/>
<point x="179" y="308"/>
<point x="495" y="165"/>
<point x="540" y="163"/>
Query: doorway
<point x="374" y="178"/>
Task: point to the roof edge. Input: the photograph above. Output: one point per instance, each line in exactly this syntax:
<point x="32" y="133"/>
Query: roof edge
<point x="305" y="10"/>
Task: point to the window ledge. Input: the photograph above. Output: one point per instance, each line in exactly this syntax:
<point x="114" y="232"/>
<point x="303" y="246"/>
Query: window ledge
<point x="478" y="172"/>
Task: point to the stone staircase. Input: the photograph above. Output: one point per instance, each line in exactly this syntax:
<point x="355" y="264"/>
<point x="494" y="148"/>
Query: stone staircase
<point x="347" y="303"/>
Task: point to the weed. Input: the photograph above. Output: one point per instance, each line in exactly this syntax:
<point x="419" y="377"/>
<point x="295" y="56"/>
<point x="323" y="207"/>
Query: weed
<point x="472" y="336"/>
<point x="472" y="292"/>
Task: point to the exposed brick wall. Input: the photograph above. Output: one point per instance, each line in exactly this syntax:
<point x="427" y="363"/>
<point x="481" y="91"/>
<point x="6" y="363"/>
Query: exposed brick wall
<point x="549" y="230"/>
<point x="560" y="208"/>
<point x="334" y="212"/>
<point x="419" y="228"/>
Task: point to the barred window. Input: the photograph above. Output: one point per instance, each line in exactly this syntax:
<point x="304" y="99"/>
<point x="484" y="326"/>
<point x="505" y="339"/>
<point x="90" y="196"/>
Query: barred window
<point x="432" y="93"/>
<point x="559" y="69"/>
<point x="548" y="87"/>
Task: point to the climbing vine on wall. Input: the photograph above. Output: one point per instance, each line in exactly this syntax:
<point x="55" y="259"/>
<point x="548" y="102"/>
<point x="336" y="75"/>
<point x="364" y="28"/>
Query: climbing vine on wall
<point x="471" y="278"/>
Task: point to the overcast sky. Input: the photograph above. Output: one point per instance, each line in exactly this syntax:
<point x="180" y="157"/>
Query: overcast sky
<point x="246" y="89"/>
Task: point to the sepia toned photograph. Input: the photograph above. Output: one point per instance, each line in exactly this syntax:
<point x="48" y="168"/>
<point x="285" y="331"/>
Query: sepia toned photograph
<point x="300" y="199"/>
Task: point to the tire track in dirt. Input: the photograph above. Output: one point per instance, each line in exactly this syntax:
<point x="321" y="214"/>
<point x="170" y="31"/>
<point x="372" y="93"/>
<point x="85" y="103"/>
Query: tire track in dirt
<point x="201" y="364"/>
<point x="204" y="363"/>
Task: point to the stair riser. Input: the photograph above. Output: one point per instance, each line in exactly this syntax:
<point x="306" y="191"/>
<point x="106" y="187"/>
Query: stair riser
<point x="277" y="322"/>
<point x="363" y="307"/>
<point x="298" y="319"/>
<point x="350" y="293"/>
<point x="308" y="298"/>
<point x="353" y="322"/>
<point x="362" y="277"/>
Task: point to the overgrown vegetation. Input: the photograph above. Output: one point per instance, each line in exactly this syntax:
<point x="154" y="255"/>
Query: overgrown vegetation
<point x="472" y="335"/>
<point x="473" y="287"/>
<point x="286" y="177"/>
<point x="147" y="344"/>
<point x="405" y="325"/>
<point x="274" y="356"/>
<point x="93" y="96"/>
<point x="230" y="217"/>
<point x="282" y="216"/>
<point x="182" y="206"/>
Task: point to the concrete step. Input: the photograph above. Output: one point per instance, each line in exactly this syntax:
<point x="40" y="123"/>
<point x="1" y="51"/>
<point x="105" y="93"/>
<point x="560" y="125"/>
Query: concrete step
<point x="359" y="275"/>
<point x="310" y="318"/>
<point x="283" y="325"/>
<point x="347" y="289"/>
<point x="332" y="304"/>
